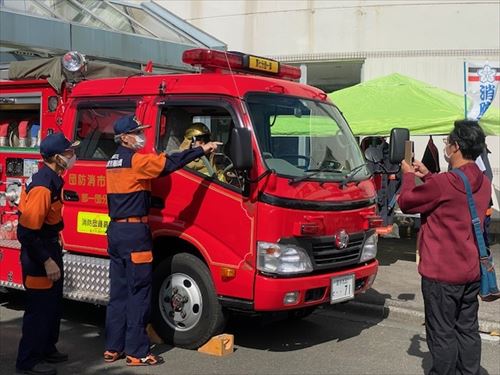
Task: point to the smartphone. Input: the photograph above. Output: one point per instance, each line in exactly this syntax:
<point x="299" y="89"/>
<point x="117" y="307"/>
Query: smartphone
<point x="409" y="152"/>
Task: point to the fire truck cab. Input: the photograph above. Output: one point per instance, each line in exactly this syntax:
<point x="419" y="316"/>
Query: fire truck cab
<point x="290" y="226"/>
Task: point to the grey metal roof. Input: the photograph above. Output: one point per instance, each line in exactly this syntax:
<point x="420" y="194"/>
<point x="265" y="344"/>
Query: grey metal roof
<point x="119" y="31"/>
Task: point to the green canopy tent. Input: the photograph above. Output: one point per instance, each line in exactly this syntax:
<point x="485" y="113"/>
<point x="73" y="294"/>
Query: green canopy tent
<point x="376" y="106"/>
<point x="314" y="126"/>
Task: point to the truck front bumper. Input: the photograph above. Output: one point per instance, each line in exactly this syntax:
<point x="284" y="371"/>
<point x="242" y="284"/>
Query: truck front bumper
<point x="313" y="290"/>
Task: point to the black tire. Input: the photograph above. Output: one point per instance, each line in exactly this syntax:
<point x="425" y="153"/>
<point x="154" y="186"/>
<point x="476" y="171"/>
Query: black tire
<point x="196" y="282"/>
<point x="301" y="313"/>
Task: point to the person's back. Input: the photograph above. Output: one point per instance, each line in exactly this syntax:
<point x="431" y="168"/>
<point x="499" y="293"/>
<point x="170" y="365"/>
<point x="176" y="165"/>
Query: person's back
<point x="449" y="256"/>
<point x="448" y="252"/>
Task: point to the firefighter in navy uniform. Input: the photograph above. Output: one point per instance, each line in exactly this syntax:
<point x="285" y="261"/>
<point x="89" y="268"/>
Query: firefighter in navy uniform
<point x="128" y="179"/>
<point x="40" y="222"/>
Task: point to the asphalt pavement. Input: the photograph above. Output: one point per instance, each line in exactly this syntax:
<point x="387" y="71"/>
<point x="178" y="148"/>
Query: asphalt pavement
<point x="397" y="290"/>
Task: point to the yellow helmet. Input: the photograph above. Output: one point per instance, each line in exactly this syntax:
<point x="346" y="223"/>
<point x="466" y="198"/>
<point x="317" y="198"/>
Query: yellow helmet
<point x="197" y="129"/>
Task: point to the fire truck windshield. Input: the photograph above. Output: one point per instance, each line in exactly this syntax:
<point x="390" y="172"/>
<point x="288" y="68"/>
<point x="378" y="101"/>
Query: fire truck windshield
<point x="305" y="139"/>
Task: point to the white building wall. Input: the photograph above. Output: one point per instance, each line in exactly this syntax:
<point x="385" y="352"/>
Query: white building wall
<point x="286" y="27"/>
<point x="424" y="39"/>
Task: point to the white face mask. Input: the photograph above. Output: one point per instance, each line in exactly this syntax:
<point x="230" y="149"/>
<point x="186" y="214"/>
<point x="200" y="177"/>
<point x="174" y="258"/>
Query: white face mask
<point x="140" y="141"/>
<point x="67" y="163"/>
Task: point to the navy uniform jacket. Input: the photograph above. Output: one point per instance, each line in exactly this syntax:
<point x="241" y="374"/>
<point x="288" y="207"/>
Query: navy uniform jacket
<point x="129" y="175"/>
<point x="40" y="208"/>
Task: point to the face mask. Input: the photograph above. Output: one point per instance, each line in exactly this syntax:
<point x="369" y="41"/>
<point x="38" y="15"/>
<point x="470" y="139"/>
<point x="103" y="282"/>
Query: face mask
<point x="67" y="163"/>
<point x="140" y="141"/>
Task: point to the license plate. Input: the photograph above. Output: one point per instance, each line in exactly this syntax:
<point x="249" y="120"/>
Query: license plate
<point x="342" y="288"/>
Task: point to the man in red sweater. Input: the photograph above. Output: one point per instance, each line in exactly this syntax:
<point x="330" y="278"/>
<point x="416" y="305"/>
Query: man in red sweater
<point x="449" y="258"/>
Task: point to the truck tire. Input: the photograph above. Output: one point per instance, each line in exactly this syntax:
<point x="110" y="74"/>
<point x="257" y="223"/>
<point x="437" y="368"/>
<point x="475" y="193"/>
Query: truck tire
<point x="185" y="310"/>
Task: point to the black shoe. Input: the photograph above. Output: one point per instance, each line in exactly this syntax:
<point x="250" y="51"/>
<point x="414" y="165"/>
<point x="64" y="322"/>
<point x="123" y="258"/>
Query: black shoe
<point x="39" y="369"/>
<point x="56" y="357"/>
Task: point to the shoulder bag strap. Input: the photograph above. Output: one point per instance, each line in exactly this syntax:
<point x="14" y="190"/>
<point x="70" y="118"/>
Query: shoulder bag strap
<point x="473" y="213"/>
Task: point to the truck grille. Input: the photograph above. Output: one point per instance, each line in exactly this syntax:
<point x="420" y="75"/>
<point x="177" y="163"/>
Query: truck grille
<point x="325" y="253"/>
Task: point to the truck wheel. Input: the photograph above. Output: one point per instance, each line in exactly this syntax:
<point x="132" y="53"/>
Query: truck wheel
<point x="185" y="309"/>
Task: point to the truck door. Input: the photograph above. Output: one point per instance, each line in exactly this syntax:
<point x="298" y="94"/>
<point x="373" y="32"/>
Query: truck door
<point x="85" y="204"/>
<point x="203" y="203"/>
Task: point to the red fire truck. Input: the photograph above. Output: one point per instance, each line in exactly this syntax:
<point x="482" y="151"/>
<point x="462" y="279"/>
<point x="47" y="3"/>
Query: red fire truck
<point x="291" y="226"/>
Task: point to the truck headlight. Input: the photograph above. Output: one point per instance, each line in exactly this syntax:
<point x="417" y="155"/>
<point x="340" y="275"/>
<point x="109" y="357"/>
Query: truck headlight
<point x="369" y="248"/>
<point x="282" y="259"/>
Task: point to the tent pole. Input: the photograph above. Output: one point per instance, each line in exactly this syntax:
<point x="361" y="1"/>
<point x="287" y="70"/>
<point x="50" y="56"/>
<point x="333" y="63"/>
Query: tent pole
<point x="465" y="89"/>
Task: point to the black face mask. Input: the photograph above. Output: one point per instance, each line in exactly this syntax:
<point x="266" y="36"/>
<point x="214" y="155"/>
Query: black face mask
<point x="202" y="138"/>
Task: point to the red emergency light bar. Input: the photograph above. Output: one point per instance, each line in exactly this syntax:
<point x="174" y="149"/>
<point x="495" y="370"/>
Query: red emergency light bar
<point x="212" y="59"/>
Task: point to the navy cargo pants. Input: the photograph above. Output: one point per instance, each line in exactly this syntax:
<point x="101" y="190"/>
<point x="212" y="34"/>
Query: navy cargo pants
<point x="130" y="273"/>
<point x="42" y="315"/>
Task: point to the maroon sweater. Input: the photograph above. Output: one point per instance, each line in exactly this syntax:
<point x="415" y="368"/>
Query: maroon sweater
<point x="447" y="246"/>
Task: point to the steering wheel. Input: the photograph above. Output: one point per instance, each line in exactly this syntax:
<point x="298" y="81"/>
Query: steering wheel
<point x="228" y="168"/>
<point x="227" y="172"/>
<point x="210" y="169"/>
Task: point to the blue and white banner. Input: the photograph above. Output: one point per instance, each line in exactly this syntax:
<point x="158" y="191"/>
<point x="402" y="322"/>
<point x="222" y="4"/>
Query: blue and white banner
<point x="482" y="85"/>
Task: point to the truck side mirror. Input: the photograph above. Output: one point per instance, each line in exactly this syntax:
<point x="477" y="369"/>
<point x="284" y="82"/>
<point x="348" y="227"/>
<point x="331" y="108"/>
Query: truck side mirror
<point x="397" y="144"/>
<point x="240" y="150"/>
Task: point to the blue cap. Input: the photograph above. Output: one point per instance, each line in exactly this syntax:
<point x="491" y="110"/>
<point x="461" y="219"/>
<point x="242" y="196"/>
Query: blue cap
<point x="55" y="143"/>
<point x="128" y="124"/>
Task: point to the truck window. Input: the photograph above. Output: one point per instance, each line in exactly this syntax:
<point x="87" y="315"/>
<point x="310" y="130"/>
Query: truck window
<point x="298" y="136"/>
<point x="176" y="121"/>
<point x="94" y="129"/>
